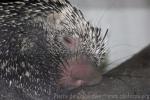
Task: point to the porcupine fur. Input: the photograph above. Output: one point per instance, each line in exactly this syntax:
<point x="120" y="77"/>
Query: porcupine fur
<point x="32" y="48"/>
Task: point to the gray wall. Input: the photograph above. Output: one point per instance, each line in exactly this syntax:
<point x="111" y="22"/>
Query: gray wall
<point x="128" y="22"/>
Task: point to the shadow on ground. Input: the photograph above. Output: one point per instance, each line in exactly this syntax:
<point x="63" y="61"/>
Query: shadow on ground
<point x="129" y="81"/>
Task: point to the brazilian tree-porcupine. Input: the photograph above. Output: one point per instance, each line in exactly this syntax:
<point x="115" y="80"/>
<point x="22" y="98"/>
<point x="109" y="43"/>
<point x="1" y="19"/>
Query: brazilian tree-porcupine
<point x="47" y="48"/>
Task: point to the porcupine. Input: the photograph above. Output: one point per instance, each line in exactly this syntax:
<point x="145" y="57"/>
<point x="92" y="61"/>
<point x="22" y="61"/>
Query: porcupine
<point x="47" y="47"/>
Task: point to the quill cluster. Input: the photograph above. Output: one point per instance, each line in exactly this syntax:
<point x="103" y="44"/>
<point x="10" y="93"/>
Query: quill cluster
<point x="39" y="36"/>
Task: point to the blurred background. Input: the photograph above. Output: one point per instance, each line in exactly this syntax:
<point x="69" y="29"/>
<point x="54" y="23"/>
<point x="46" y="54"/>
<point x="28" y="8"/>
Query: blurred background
<point x="128" y="22"/>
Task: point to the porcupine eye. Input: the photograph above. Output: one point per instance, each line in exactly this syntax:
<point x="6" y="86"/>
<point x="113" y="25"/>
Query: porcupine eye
<point x="70" y="42"/>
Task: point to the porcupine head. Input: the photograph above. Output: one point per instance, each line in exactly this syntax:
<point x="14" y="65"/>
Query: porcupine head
<point x="48" y="45"/>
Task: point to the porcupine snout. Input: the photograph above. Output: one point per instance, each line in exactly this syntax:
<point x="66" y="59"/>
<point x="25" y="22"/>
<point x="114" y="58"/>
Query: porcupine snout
<point x="79" y="69"/>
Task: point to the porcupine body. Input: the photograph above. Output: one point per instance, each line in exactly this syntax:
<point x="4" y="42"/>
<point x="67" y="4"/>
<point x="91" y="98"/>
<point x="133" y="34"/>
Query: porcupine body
<point x="46" y="48"/>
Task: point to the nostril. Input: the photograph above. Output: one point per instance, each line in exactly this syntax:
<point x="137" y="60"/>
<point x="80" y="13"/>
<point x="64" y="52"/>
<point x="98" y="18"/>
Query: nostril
<point x="80" y="83"/>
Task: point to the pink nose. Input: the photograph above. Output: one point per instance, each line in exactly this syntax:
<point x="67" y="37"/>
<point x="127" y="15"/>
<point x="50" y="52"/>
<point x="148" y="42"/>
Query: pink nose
<point x="79" y="72"/>
<point x="81" y="69"/>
